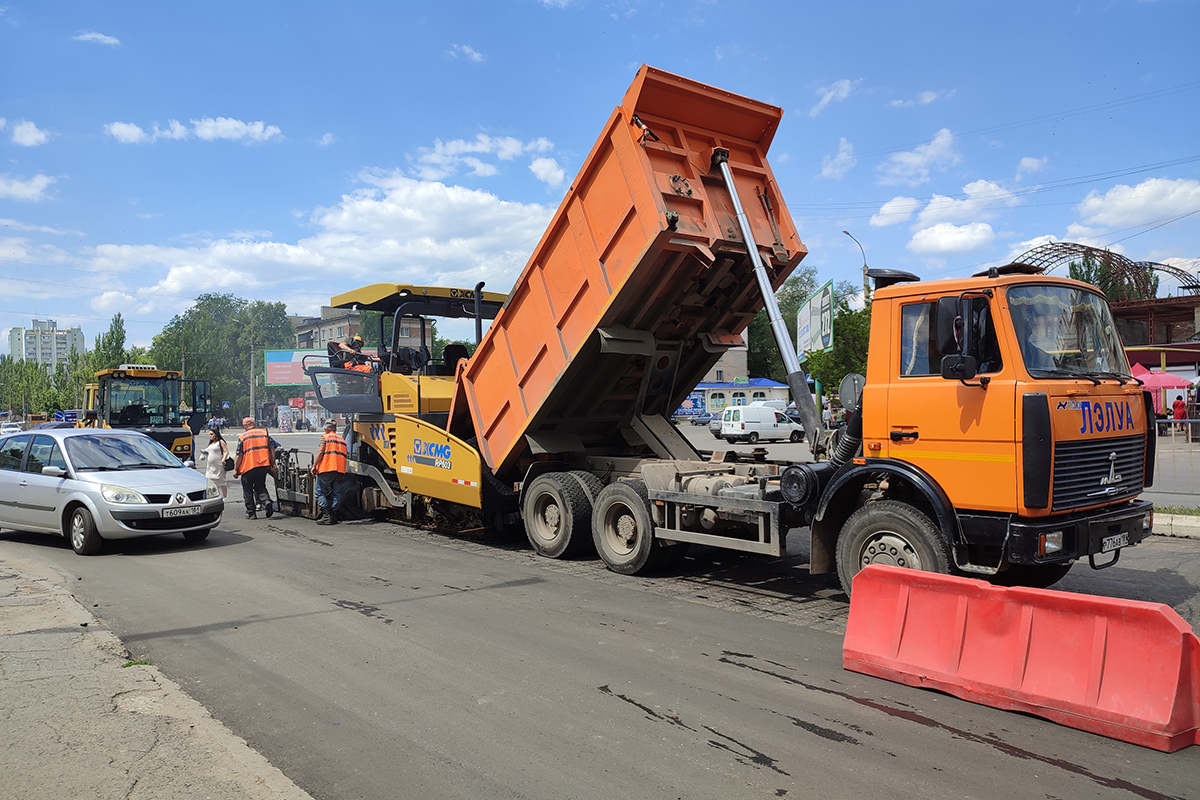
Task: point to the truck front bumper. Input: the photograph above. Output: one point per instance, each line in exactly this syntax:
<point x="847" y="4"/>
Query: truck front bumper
<point x="1088" y="533"/>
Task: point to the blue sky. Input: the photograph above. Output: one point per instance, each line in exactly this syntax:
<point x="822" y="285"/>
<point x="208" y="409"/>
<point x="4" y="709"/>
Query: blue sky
<point x="292" y="150"/>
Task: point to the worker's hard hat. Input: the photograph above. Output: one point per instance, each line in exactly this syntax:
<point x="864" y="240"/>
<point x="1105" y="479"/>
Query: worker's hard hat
<point x="357" y="337"/>
<point x="247" y="422"/>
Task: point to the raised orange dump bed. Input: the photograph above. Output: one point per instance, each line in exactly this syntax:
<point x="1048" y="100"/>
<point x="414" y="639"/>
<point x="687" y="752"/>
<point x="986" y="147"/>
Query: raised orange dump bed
<point x="640" y="283"/>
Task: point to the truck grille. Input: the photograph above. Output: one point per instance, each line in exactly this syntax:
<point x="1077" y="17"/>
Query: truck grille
<point x="1080" y="468"/>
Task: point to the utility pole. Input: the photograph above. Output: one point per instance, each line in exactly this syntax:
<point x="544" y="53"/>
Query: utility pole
<point x="866" y="283"/>
<point x="252" y="411"/>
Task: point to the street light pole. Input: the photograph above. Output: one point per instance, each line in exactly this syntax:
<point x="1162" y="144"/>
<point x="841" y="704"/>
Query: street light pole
<point x="866" y="284"/>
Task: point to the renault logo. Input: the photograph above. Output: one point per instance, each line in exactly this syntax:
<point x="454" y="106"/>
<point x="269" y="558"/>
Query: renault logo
<point x="180" y="498"/>
<point x="1113" y="475"/>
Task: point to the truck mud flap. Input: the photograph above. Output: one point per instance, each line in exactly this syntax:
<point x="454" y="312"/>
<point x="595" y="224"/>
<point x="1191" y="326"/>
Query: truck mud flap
<point x="1124" y="669"/>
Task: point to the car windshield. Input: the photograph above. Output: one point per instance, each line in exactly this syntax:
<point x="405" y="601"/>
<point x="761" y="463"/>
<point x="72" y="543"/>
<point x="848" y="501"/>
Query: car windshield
<point x="1066" y="330"/>
<point x="118" y="453"/>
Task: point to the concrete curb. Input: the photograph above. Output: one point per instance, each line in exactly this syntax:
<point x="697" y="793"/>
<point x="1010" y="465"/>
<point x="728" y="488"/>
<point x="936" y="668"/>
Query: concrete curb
<point x="124" y="727"/>
<point x="1177" y="525"/>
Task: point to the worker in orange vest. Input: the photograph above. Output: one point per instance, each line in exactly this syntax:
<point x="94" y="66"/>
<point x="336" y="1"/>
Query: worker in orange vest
<point x="255" y="458"/>
<point x="329" y="467"/>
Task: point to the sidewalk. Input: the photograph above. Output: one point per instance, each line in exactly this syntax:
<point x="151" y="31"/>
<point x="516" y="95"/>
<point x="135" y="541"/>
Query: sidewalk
<point x="81" y="722"/>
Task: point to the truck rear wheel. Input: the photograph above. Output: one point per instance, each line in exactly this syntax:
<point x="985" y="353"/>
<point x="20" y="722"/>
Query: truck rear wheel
<point x="557" y="515"/>
<point x="623" y="528"/>
<point x="892" y="533"/>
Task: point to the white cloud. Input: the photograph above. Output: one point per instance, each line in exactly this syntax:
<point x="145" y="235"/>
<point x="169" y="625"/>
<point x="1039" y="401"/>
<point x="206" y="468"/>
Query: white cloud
<point x="894" y="211"/>
<point x="1150" y="201"/>
<point x="98" y="38"/>
<point x="922" y="99"/>
<point x="3" y="122"/>
<point x="912" y="167"/>
<point x="392" y="228"/>
<point x="837" y="166"/>
<point x="1081" y="234"/>
<point x="112" y="301"/>
<point x="32" y="189"/>
<point x="327" y="140"/>
<point x="127" y="133"/>
<point x="547" y="171"/>
<point x="556" y="3"/>
<point x="1029" y="165"/>
<point x="467" y="52"/>
<point x="446" y="158"/>
<point x="174" y="130"/>
<point x="835" y="93"/>
<point x="982" y="200"/>
<point x="946" y="239"/>
<point x="210" y="129"/>
<point x="22" y="226"/>
<point x="26" y="134"/>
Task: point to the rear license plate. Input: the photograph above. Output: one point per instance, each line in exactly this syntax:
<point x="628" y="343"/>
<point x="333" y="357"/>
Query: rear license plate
<point x="1109" y="543"/>
<point x="191" y="511"/>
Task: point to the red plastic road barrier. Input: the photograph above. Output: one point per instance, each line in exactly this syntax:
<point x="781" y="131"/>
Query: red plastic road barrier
<point x="1120" y="668"/>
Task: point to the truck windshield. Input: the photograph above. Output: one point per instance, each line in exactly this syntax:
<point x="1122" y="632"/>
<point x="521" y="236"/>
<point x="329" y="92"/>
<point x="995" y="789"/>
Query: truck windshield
<point x="143" y="401"/>
<point x="1065" y="330"/>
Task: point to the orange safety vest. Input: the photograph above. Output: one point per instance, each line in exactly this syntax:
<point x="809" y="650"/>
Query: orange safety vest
<point x="256" y="449"/>
<point x="332" y="456"/>
<point x="360" y="367"/>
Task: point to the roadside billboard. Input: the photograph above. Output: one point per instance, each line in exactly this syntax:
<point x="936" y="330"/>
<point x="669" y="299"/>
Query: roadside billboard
<point x="286" y="367"/>
<point x="692" y="406"/>
<point x="814" y="323"/>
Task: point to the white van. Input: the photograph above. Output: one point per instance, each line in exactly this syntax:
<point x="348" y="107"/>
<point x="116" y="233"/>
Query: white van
<point x="754" y="422"/>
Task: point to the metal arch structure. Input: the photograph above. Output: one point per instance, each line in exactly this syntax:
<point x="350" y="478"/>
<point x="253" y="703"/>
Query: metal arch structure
<point x="1134" y="274"/>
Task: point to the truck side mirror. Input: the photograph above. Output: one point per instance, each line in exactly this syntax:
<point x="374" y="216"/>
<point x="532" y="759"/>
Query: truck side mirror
<point x="959" y="367"/>
<point x="947" y="313"/>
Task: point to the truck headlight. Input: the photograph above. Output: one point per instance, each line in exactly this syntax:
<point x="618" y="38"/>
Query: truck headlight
<point x="119" y="494"/>
<point x="211" y="490"/>
<point x="1049" y="543"/>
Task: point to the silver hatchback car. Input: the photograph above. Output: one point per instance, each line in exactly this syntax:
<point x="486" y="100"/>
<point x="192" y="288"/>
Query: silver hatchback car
<point x="93" y="484"/>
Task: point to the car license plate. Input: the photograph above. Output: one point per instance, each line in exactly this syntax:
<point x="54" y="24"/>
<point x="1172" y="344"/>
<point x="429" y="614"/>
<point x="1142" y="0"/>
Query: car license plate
<point x="191" y="511"/>
<point x="1109" y="543"/>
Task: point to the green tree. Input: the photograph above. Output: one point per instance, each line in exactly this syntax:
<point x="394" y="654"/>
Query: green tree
<point x="25" y="387"/>
<point x="762" y="353"/>
<point x="1116" y="284"/>
<point x="110" y="346"/>
<point x="213" y="340"/>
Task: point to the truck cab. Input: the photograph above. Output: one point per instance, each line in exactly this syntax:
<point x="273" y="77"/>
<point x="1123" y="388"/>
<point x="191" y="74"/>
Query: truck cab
<point x="1002" y="410"/>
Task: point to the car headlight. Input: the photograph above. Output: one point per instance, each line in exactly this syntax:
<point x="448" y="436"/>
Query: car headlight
<point x="119" y="494"/>
<point x="211" y="490"/>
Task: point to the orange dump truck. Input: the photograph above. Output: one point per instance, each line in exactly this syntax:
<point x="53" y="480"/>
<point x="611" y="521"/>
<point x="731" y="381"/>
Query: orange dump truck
<point x="968" y="451"/>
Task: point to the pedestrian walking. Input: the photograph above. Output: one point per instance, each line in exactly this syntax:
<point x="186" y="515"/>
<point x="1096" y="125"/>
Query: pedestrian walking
<point x="329" y="467"/>
<point x="255" y="459"/>
<point x="215" y="455"/>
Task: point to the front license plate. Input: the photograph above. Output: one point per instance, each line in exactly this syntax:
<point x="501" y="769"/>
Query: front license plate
<point x="191" y="511"/>
<point x="1109" y="543"/>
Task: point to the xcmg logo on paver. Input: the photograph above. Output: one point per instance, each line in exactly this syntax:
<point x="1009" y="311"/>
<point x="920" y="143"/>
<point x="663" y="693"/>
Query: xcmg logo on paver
<point x="1101" y="417"/>
<point x="431" y="454"/>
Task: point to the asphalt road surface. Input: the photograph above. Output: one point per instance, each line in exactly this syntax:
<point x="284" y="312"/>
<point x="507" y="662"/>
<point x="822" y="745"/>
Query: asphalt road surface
<point x="372" y="660"/>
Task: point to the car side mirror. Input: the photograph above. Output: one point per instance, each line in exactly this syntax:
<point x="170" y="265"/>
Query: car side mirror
<point x="947" y="312"/>
<point x="959" y="367"/>
<point x="190" y="464"/>
<point x="54" y="472"/>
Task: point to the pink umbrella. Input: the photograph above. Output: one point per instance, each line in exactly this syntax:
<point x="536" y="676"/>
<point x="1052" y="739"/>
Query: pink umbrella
<point x="1158" y="382"/>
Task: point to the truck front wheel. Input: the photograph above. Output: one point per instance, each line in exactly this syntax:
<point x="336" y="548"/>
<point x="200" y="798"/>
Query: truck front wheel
<point x="623" y="528"/>
<point x="557" y="515"/>
<point x="892" y="533"/>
